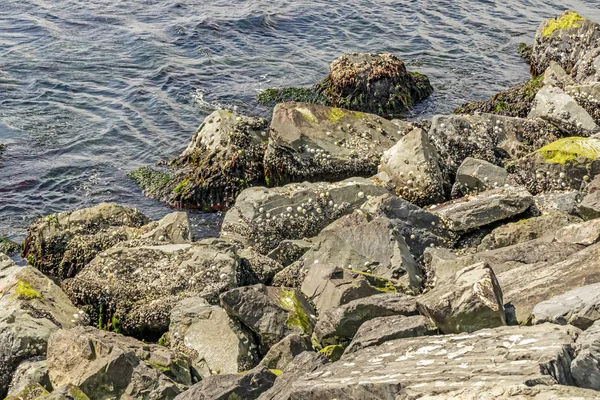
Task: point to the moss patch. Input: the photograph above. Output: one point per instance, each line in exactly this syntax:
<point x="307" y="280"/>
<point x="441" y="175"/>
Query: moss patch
<point x="307" y="114"/>
<point x="381" y="284"/>
<point x="24" y="290"/>
<point x="335" y="115"/>
<point x="298" y="316"/>
<point x="165" y="369"/>
<point x="276" y="372"/>
<point x="568" y="20"/>
<point x="150" y="180"/>
<point x="571" y="149"/>
<point x="333" y="352"/>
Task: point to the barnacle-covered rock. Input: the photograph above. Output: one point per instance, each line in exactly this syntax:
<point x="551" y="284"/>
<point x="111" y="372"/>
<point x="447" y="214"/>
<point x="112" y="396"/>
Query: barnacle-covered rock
<point x="264" y="217"/>
<point x="61" y="244"/>
<point x="224" y="157"/>
<point x="312" y="142"/>
<point x="588" y="97"/>
<point x="475" y="175"/>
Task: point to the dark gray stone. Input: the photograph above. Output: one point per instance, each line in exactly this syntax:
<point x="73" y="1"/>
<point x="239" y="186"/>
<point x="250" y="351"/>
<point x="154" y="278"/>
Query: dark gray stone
<point x="579" y="307"/>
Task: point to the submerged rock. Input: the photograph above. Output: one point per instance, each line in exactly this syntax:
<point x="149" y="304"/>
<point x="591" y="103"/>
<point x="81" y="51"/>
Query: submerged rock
<point x="224" y="157"/>
<point x="311" y="143"/>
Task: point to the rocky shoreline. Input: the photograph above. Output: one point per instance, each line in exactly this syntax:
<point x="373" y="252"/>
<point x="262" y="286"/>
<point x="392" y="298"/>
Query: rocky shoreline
<point x="361" y="256"/>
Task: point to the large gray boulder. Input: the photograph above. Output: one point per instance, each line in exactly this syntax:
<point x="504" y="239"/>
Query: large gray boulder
<point x="283" y="353"/>
<point x="433" y="365"/>
<point x="475" y="175"/>
<point x="107" y="365"/>
<point x="224" y="157"/>
<point x="29" y="374"/>
<point x="585" y="366"/>
<point x="555" y="75"/>
<point x="134" y="289"/>
<point x="173" y="228"/>
<point x="271" y="313"/>
<point x="339" y="324"/>
<point x="264" y="217"/>
<point x="414" y="167"/>
<point x="377" y="331"/>
<point x="311" y="142"/>
<point x="471" y="301"/>
<point x="563" y="201"/>
<point x="584" y="233"/>
<point x="62" y="244"/>
<point x="579" y="307"/>
<point x="560" y="109"/>
<point x="487" y="207"/>
<point x="214" y="342"/>
<point x="32" y="307"/>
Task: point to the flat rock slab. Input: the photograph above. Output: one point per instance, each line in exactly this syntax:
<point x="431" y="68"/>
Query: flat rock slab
<point x="436" y="364"/>
<point x="585" y="233"/>
<point x="579" y="307"/>
<point x="475" y="175"/>
<point x="585" y="365"/>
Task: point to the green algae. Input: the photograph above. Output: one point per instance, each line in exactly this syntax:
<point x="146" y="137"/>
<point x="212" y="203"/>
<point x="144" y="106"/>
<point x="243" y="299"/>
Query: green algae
<point x="298" y="316"/>
<point x="24" y="290"/>
<point x="270" y="97"/>
<point x="570" y="149"/>
<point x="333" y="352"/>
<point x="568" y="20"/>
<point x="307" y="114"/>
<point x="335" y="115"/>
<point x="165" y="369"/>
<point x="380" y="283"/>
<point x="149" y="179"/>
<point x="183" y="187"/>
<point x="276" y="372"/>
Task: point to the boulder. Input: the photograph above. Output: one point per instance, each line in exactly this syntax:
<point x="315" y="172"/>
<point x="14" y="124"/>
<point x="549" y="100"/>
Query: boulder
<point x="314" y="143"/>
<point x="433" y="365"/>
<point x="589" y="208"/>
<point x="289" y="251"/>
<point x="174" y="228"/>
<point x="132" y="290"/>
<point x="487" y="207"/>
<point x="555" y="75"/>
<point x="564" y="39"/>
<point x="584" y="233"/>
<point x="224" y="157"/>
<point x="563" y="201"/>
<point x="475" y="176"/>
<point x="32" y="307"/>
<point x="247" y="386"/>
<point x="584" y="367"/>
<point x="526" y="229"/>
<point x="560" y="109"/>
<point x="414" y="167"/>
<point x="565" y="164"/>
<point x="338" y="325"/>
<point x="579" y="307"/>
<point x="215" y="343"/>
<point x="261" y="267"/>
<point x="587" y="96"/>
<point x="264" y="217"/>
<point x="518" y="392"/>
<point x="467" y="303"/>
<point x="107" y="365"/>
<point x="9" y="247"/>
<point x="32" y="392"/>
<point x="61" y="244"/>
<point x="283" y="353"/>
<point x="377" y="331"/>
<point x="30" y="374"/>
<point x="271" y="313"/>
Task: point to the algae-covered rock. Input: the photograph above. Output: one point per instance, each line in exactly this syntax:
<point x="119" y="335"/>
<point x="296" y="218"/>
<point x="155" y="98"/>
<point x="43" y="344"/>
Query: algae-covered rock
<point x="264" y="217"/>
<point x="313" y="142"/>
<point x="565" y="39"/>
<point x="9" y="247"/>
<point x="224" y="157"/>
<point x="132" y="290"/>
<point x="272" y="313"/>
<point x="61" y="244"/>
<point x="29" y="377"/>
<point x="374" y="83"/>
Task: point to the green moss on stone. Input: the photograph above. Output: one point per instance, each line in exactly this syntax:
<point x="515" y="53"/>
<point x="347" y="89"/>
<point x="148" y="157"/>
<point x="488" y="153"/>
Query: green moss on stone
<point x="568" y="20"/>
<point x="298" y="316"/>
<point x="335" y="115"/>
<point x="380" y="283"/>
<point x="571" y="149"/>
<point x="183" y="186"/>
<point x="150" y="179"/>
<point x="307" y="114"/>
<point x="333" y="352"/>
<point x="115" y="324"/>
<point x="270" y="97"/>
<point x="276" y="372"/>
<point x="24" y="290"/>
<point x="165" y="369"/>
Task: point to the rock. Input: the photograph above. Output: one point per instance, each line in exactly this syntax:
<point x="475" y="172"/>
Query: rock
<point x="317" y="143"/>
<point x="414" y="167"/>
<point x="566" y="202"/>
<point x="304" y="363"/>
<point x="30" y="392"/>
<point x="248" y="386"/>
<point x="518" y="392"/>
<point x="263" y="217"/>
<point x="9" y="247"/>
<point x="587" y="96"/>
<point x="526" y="229"/>
<point x="377" y="331"/>
<point x="467" y="303"/>
<point x="560" y="109"/>
<point x="224" y="157"/>
<point x="491" y="138"/>
<point x="291" y="276"/>
<point x="514" y="102"/>
<point x="428" y="365"/>
<point x="215" y="343"/>
<point x="475" y="175"/>
<point x="585" y="365"/>
<point x="62" y="244"/>
<point x="272" y="313"/>
<point x="32" y="307"/>
<point x="565" y="164"/>
<point x="472" y="212"/>
<point x="30" y="374"/>
<point x="589" y="208"/>
<point x="289" y="251"/>
<point x="556" y="76"/>
<point x="283" y="353"/>
<point x="338" y="325"/>
<point x="585" y="233"/>
<point x="65" y="392"/>
<point x="173" y="228"/>
<point x="132" y="290"/>
<point x="262" y="267"/>
<point x="565" y="39"/>
<point x="365" y="243"/>
<point x="579" y="307"/>
<point x="420" y="228"/>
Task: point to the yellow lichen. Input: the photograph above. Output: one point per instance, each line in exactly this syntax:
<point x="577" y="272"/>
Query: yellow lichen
<point x="333" y="352"/>
<point x="335" y="115"/>
<point x="571" y="149"/>
<point x="567" y="21"/>
<point x="297" y="316"/>
<point x="24" y="290"/>
<point x="276" y="372"/>
<point x="307" y="114"/>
